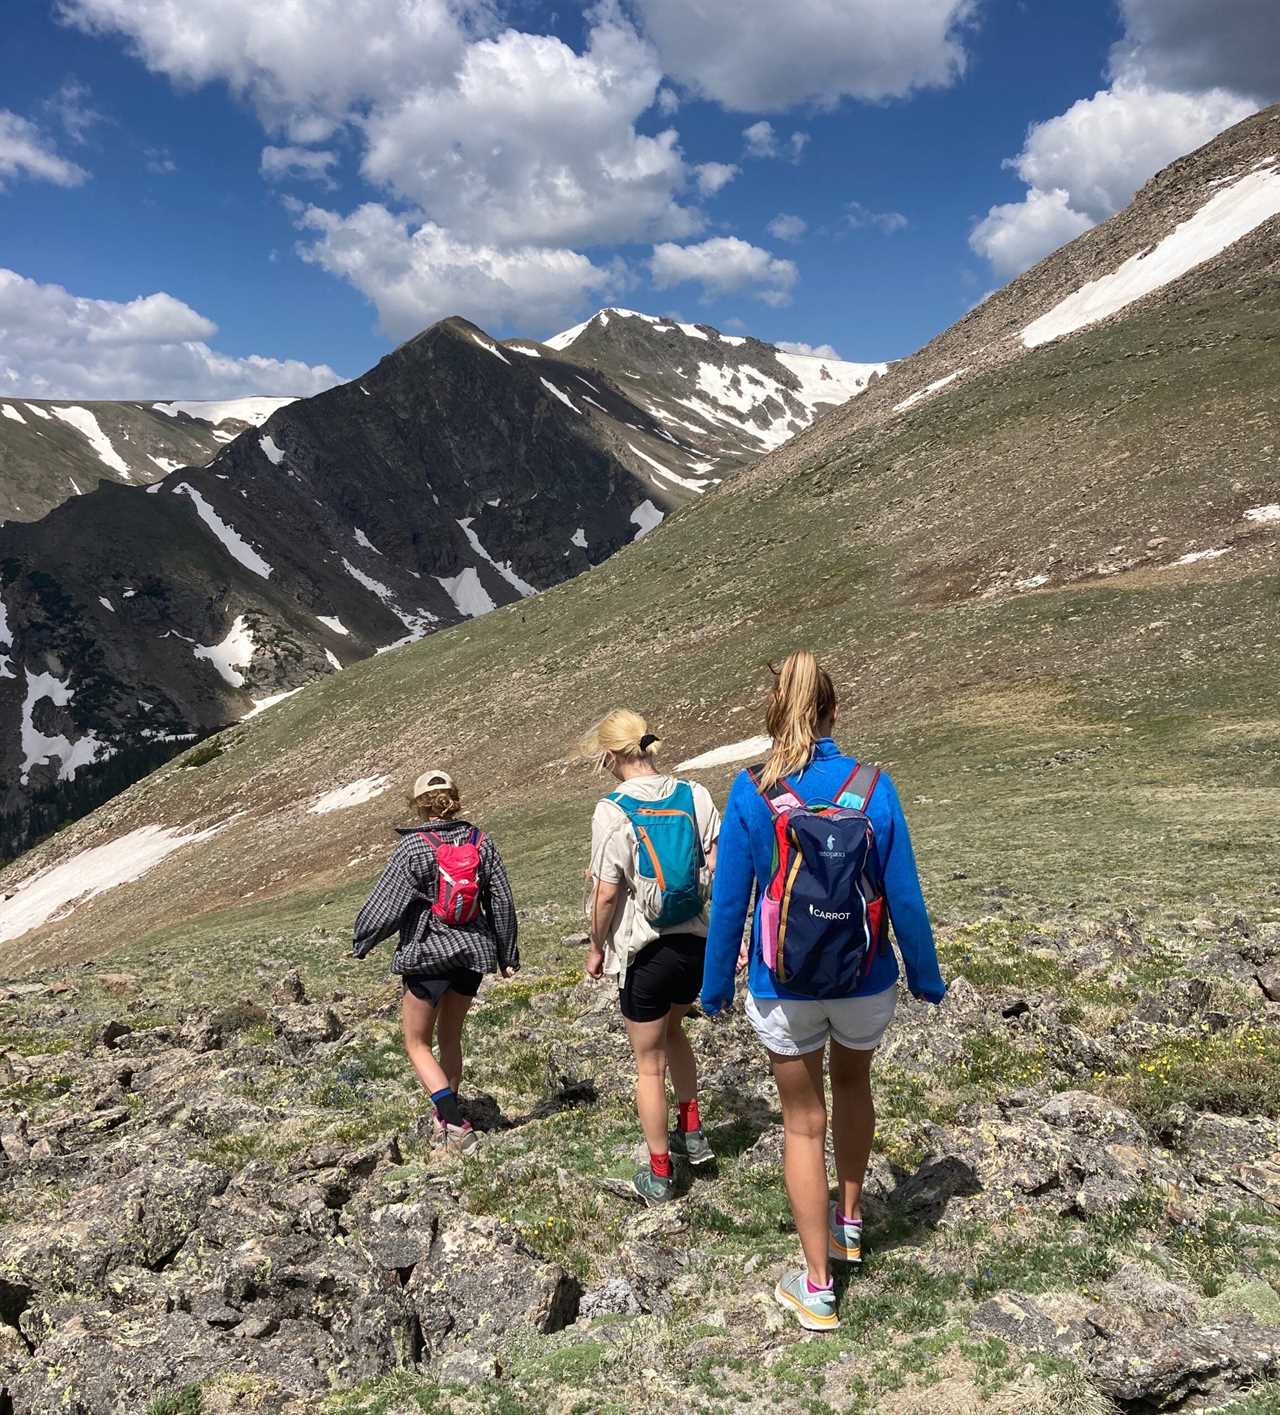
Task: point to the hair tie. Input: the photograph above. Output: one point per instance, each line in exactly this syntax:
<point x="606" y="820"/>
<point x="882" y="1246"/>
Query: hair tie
<point x="647" y="741"/>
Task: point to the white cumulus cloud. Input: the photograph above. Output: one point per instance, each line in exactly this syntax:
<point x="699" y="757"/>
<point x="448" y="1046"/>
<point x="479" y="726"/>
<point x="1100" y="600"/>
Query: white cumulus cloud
<point x="26" y="151"/>
<point x="415" y="276"/>
<point x="714" y="176"/>
<point x="1016" y="234"/>
<point x="757" y="58"/>
<point x="787" y="228"/>
<point x="1182" y="72"/>
<point x="306" y="164"/>
<point x="798" y="346"/>
<point x="722" y="265"/>
<point x="60" y="345"/>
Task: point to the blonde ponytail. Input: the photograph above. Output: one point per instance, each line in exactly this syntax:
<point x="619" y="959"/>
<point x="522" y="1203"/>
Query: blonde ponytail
<point x="624" y="734"/>
<point x="803" y="700"/>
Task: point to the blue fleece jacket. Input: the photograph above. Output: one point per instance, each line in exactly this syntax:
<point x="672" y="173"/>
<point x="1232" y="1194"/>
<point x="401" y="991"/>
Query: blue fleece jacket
<point x="744" y="861"/>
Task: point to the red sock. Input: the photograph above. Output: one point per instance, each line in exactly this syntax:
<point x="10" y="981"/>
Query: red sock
<point x="689" y="1117"/>
<point x="660" y="1164"/>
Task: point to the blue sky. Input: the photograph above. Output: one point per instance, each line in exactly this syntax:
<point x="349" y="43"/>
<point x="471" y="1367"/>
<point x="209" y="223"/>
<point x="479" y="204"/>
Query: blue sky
<point x="522" y="164"/>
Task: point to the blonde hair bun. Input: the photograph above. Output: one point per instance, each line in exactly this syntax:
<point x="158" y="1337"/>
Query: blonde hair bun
<point x="622" y="733"/>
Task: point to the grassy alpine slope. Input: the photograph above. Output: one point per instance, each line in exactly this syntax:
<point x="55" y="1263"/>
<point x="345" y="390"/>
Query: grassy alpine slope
<point x="1077" y="1181"/>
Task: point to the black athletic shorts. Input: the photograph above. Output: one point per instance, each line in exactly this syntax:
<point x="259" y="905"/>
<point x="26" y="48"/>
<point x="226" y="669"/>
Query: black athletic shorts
<point x="431" y="987"/>
<point x="663" y="975"/>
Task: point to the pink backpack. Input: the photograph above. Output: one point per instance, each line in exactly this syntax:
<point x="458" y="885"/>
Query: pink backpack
<point x="457" y="898"/>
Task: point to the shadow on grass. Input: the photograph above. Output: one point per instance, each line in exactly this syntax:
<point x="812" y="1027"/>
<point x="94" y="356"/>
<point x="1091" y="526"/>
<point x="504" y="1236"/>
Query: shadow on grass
<point x="484" y="1112"/>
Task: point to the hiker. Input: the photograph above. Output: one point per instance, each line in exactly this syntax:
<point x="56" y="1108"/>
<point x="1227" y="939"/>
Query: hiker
<point x="445" y="890"/>
<point x="823" y="841"/>
<point x="653" y="850"/>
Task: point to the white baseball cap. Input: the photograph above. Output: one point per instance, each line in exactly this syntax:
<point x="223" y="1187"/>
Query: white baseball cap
<point x="432" y="781"/>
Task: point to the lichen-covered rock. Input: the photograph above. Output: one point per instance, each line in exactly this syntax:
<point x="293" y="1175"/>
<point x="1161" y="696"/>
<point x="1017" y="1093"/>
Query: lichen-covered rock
<point x="301" y="1027"/>
<point x="479" y="1286"/>
<point x="1056" y="1325"/>
<point x="1190" y="1367"/>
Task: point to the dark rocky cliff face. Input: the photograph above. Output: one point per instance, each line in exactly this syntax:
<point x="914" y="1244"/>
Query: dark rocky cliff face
<point x="452" y="478"/>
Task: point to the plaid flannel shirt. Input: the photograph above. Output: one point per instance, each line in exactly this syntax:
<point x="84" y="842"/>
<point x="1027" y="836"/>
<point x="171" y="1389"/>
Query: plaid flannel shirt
<point x="401" y="901"/>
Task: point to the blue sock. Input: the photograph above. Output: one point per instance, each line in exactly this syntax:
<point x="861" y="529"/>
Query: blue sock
<point x="446" y="1104"/>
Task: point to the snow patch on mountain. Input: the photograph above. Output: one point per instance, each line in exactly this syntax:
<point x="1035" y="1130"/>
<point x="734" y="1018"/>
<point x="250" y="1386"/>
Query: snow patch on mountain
<point x="12" y="413"/>
<point x="331" y="621"/>
<point x="39" y="412"/>
<point x="417" y="622"/>
<point x="355" y="793"/>
<point x="59" y="890"/>
<point x="236" y="546"/>
<point x="690" y="483"/>
<point x="1224" y="219"/>
<point x="724" y="756"/>
<point x="274" y="454"/>
<point x="254" y="410"/>
<point x="6" y="642"/>
<point x="166" y="465"/>
<point x="561" y="394"/>
<point x="579" y="538"/>
<point x="492" y="348"/>
<point x="262" y="704"/>
<point x="85" y="423"/>
<point x="930" y="388"/>
<point x="37" y="748"/>
<point x="1194" y="557"/>
<point x="1264" y="515"/>
<point x="362" y="539"/>
<point x="646" y="516"/>
<point x="232" y="654"/>
<point x="504" y="568"/>
<point x="469" y="596"/>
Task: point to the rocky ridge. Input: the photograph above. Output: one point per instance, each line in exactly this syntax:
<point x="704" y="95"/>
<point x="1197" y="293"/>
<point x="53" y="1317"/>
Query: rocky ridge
<point x="241" y="1201"/>
<point x="51" y="450"/>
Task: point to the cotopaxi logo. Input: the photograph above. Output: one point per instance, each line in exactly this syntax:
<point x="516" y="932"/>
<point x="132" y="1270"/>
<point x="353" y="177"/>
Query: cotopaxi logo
<point x="829" y="913"/>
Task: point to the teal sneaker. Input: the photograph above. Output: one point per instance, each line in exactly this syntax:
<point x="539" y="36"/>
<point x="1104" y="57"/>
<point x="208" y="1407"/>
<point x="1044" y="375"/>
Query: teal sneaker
<point x="652" y="1188"/>
<point x="844" y="1240"/>
<point x="815" y="1311"/>
<point x="692" y="1146"/>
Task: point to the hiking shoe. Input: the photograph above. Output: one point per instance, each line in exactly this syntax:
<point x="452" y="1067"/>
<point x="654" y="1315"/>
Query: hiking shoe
<point x="844" y="1240"/>
<point x="691" y="1146"/>
<point x="461" y="1138"/>
<point x="815" y="1311"/>
<point x="652" y="1188"/>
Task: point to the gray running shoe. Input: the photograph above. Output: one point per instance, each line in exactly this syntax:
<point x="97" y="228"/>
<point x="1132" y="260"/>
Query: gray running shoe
<point x="691" y="1146"/>
<point x="815" y="1311"/>
<point x="651" y="1188"/>
<point x="461" y="1138"/>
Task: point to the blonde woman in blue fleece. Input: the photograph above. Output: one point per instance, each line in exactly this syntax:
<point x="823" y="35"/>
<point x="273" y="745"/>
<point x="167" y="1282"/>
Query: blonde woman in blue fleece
<point x="806" y="766"/>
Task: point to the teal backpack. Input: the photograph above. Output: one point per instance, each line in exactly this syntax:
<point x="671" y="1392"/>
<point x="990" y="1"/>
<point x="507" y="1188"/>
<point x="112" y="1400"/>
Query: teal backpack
<point x="670" y="867"/>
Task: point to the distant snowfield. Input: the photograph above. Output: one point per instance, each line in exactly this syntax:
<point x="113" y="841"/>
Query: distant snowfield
<point x="254" y="411"/>
<point x="504" y="568"/>
<point x="690" y="483"/>
<point x="355" y="793"/>
<point x="417" y="622"/>
<point x="88" y="874"/>
<point x="1264" y="515"/>
<point x="331" y="621"/>
<point x="274" y="454"/>
<point x="724" y="756"/>
<point x="84" y="422"/>
<point x="13" y="414"/>
<point x="1196" y="556"/>
<point x="1221" y="221"/>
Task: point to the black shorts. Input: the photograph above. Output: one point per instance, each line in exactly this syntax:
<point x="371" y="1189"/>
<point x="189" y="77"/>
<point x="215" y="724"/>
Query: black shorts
<point x="431" y="987"/>
<point x="664" y="974"/>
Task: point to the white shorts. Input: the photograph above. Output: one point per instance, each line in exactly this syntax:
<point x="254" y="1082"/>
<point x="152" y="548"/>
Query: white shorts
<point x="794" y="1026"/>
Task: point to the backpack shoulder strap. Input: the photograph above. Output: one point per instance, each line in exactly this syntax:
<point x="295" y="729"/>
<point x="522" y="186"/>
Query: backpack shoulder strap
<point x="431" y="838"/>
<point x="779" y="797"/>
<point x="856" y="793"/>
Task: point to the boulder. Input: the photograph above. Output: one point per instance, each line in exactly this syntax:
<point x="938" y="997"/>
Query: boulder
<point x="1055" y="1325"/>
<point x="289" y="991"/>
<point x="301" y="1027"/>
<point x="1189" y="1367"/>
<point x="479" y="1286"/>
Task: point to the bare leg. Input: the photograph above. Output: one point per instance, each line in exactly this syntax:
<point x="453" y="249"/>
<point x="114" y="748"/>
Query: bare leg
<point x="680" y="1059"/>
<point x="853" y="1122"/>
<point x="418" y="1023"/>
<point x="451" y="1014"/>
<point x="804" y="1160"/>
<point x="649" y="1045"/>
